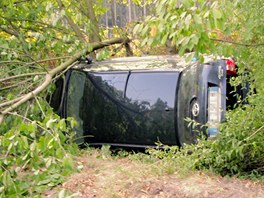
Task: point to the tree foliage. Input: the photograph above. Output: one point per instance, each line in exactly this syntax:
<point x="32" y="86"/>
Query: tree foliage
<point x="223" y="28"/>
<point x="39" y="41"/>
<point x="36" y="37"/>
<point x="35" y="155"/>
<point x="39" y="37"/>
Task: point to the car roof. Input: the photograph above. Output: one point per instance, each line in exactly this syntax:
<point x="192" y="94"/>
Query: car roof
<point x="159" y="63"/>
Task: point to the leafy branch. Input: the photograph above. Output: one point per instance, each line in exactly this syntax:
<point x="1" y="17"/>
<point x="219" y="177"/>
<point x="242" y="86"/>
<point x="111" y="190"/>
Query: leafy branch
<point x="52" y="73"/>
<point x="256" y="132"/>
<point x="74" y="27"/>
<point x="237" y="43"/>
<point x="21" y="76"/>
<point x="16" y="85"/>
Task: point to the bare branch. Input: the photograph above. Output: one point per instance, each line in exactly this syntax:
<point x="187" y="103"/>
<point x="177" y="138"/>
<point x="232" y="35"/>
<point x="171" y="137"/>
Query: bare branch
<point x="30" y="64"/>
<point x="256" y="132"/>
<point x="40" y="106"/>
<point x="129" y="51"/>
<point x="22" y="75"/>
<point x="7" y="103"/>
<point x="28" y="88"/>
<point x="15" y="85"/>
<point x="22" y="1"/>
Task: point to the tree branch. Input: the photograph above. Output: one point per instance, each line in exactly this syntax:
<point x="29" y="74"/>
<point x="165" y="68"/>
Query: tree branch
<point x="8" y="31"/>
<point x="21" y="76"/>
<point x="74" y="27"/>
<point x="7" y="103"/>
<point x="236" y="43"/>
<point x="257" y="131"/>
<point x="15" y="85"/>
<point x="50" y="75"/>
<point x="34" y="62"/>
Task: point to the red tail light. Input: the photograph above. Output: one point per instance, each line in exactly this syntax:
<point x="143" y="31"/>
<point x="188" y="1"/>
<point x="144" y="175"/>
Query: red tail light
<point x="230" y="67"/>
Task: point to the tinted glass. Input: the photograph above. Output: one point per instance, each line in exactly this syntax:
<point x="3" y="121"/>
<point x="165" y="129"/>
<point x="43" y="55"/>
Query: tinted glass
<point x="75" y="101"/>
<point x="93" y="100"/>
<point x="152" y="95"/>
<point x="96" y="101"/>
<point x="111" y="82"/>
<point x="56" y="97"/>
<point x="149" y="88"/>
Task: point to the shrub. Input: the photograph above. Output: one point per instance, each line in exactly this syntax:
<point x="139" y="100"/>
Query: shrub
<point x="35" y="155"/>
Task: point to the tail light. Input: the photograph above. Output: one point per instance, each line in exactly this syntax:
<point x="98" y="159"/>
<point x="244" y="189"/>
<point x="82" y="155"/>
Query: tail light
<point x="230" y="67"/>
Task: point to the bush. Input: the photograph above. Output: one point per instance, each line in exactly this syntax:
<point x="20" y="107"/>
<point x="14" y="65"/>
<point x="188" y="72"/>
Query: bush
<point x="237" y="150"/>
<point x="35" y="155"/>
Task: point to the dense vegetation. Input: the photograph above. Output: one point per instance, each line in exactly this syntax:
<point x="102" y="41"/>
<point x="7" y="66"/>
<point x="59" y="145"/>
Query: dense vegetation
<point x="36" y="39"/>
<point x="229" y="28"/>
<point x="38" y="36"/>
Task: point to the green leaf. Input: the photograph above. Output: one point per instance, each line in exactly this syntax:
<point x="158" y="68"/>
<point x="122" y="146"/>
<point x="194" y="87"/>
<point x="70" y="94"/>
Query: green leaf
<point x="35" y="78"/>
<point x="33" y="146"/>
<point x="2" y="188"/>
<point x="137" y="28"/>
<point x="4" y="46"/>
<point x="145" y="30"/>
<point x="188" y="59"/>
<point x="60" y="153"/>
<point x="197" y="19"/>
<point x="217" y="14"/>
<point x="164" y="39"/>
<point x="6" y="179"/>
<point x="182" y="51"/>
<point x="201" y="58"/>
<point x="44" y="182"/>
<point x="150" y="41"/>
<point x="183" y="15"/>
<point x="206" y="14"/>
<point x="185" y="41"/>
<point x="50" y="123"/>
<point x="194" y="39"/>
<point x="72" y="121"/>
<point x="12" y="137"/>
<point x="188" y="21"/>
<point x="62" y="193"/>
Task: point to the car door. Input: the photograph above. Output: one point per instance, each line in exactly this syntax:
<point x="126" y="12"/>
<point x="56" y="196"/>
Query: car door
<point x="151" y="94"/>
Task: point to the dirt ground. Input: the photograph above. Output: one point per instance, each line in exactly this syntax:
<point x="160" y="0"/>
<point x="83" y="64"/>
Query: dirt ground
<point x="107" y="177"/>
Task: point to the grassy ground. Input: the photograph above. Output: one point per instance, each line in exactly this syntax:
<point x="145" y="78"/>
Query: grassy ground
<point x="103" y="175"/>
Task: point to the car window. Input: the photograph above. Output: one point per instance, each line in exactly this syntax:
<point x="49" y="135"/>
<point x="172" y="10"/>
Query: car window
<point x="93" y="99"/>
<point x="111" y="83"/>
<point x="56" y="97"/>
<point x="75" y="101"/>
<point x="149" y="88"/>
<point x="96" y="101"/>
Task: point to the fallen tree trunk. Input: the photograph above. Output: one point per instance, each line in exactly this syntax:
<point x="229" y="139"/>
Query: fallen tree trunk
<point x="57" y="70"/>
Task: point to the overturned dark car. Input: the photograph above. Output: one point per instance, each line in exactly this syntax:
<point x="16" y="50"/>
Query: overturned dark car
<point x="139" y="101"/>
